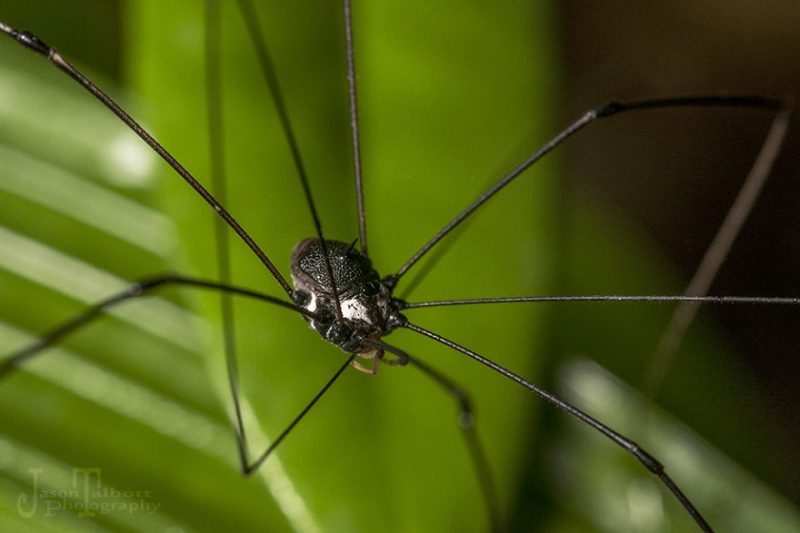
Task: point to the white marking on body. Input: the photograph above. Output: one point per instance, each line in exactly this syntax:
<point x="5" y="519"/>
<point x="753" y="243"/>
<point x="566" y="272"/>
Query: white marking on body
<point x="354" y="309"/>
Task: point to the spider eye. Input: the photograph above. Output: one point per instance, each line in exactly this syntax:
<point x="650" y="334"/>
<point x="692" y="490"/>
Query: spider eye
<point x="372" y="288"/>
<point x="301" y="298"/>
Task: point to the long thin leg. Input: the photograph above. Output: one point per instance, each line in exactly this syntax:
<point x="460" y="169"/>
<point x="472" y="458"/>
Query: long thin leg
<point x="33" y="42"/>
<point x="143" y="288"/>
<point x="608" y="110"/>
<point x="268" y="70"/>
<point x="719" y="249"/>
<point x="134" y="291"/>
<point x="218" y="180"/>
<point x="644" y="457"/>
<point x="752" y="300"/>
<point x="249" y="468"/>
<point x="353" y="94"/>
<point x="466" y="421"/>
<point x="216" y="154"/>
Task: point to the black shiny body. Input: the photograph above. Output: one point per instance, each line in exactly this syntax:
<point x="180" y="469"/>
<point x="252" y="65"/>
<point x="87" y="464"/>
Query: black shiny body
<point x="368" y="310"/>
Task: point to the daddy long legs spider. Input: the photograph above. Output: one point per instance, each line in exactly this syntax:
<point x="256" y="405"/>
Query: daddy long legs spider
<point x="364" y="408"/>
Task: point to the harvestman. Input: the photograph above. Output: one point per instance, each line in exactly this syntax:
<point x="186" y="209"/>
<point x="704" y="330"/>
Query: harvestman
<point x="346" y="301"/>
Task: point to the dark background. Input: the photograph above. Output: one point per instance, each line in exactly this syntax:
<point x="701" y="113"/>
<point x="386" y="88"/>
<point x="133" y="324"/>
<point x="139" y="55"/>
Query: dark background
<point x="676" y="172"/>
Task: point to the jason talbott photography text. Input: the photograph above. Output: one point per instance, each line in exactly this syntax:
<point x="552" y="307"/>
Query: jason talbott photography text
<point x="87" y="497"/>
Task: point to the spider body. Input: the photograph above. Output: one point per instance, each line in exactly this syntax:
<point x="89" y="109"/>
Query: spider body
<point x="367" y="311"/>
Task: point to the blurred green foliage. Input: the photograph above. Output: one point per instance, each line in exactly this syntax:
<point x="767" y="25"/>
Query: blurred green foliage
<point x="452" y="96"/>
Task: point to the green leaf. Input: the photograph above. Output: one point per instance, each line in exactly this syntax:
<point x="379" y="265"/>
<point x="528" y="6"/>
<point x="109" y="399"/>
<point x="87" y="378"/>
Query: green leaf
<point x="718" y="405"/>
<point x="453" y="94"/>
<point x="381" y="452"/>
<point x="130" y="396"/>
